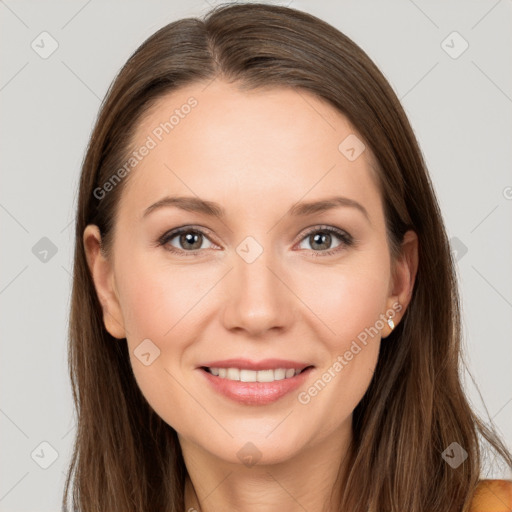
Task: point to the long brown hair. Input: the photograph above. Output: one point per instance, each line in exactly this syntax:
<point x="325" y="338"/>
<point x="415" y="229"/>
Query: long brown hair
<point x="126" y="458"/>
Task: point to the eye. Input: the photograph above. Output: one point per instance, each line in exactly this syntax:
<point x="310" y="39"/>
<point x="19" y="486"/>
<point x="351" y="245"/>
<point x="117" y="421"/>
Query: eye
<point x="321" y="238"/>
<point x="184" y="240"/>
<point x="189" y="241"/>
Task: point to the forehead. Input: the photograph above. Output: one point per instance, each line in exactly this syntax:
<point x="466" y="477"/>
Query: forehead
<point x="248" y="148"/>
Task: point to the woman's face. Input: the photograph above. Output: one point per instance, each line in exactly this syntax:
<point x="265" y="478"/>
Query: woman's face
<point x="263" y="280"/>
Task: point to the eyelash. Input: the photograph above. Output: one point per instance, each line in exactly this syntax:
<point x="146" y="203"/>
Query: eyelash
<point x="346" y="239"/>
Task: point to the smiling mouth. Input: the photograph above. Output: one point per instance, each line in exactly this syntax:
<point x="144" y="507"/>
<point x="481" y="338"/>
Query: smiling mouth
<point x="244" y="375"/>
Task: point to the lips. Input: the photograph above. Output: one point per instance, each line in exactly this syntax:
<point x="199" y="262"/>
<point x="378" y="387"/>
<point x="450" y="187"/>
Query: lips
<point x="261" y="392"/>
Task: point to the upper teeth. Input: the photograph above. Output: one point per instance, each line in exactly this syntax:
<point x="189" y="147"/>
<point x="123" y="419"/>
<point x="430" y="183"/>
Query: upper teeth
<point x="253" y="375"/>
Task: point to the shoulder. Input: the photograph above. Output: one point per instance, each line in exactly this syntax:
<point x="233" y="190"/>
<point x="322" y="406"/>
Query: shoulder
<point x="492" y="496"/>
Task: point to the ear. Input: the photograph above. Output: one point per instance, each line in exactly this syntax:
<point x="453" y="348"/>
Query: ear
<point x="403" y="277"/>
<point x="103" y="277"/>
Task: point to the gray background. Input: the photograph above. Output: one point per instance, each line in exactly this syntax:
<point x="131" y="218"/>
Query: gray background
<point x="460" y="109"/>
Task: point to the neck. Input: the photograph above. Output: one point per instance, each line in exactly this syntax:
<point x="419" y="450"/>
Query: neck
<point x="312" y="480"/>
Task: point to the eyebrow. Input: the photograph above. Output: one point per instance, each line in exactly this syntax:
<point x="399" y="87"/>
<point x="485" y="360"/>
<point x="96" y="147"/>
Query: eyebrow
<point x="195" y="204"/>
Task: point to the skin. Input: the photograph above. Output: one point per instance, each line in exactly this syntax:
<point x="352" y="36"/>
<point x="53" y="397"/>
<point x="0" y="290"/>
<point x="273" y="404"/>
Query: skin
<point x="257" y="153"/>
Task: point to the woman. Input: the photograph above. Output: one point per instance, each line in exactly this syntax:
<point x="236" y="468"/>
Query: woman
<point x="302" y="353"/>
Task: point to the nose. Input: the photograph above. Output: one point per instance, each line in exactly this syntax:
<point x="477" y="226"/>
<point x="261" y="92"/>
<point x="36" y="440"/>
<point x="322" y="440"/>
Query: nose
<point x="258" y="294"/>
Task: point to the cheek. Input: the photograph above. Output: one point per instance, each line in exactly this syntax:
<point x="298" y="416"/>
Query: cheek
<point x="348" y="299"/>
<point x="164" y="304"/>
<point x="158" y="305"/>
<point x="156" y="297"/>
<point x="352" y="313"/>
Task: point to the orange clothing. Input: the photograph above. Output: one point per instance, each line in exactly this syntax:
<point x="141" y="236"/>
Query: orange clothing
<point x="492" y="496"/>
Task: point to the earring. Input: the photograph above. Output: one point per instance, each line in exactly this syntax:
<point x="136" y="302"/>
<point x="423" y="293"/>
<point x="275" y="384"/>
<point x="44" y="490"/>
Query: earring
<point x="391" y="323"/>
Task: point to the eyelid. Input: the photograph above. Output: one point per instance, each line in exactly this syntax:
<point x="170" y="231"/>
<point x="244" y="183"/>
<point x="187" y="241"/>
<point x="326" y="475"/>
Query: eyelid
<point x="324" y="227"/>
